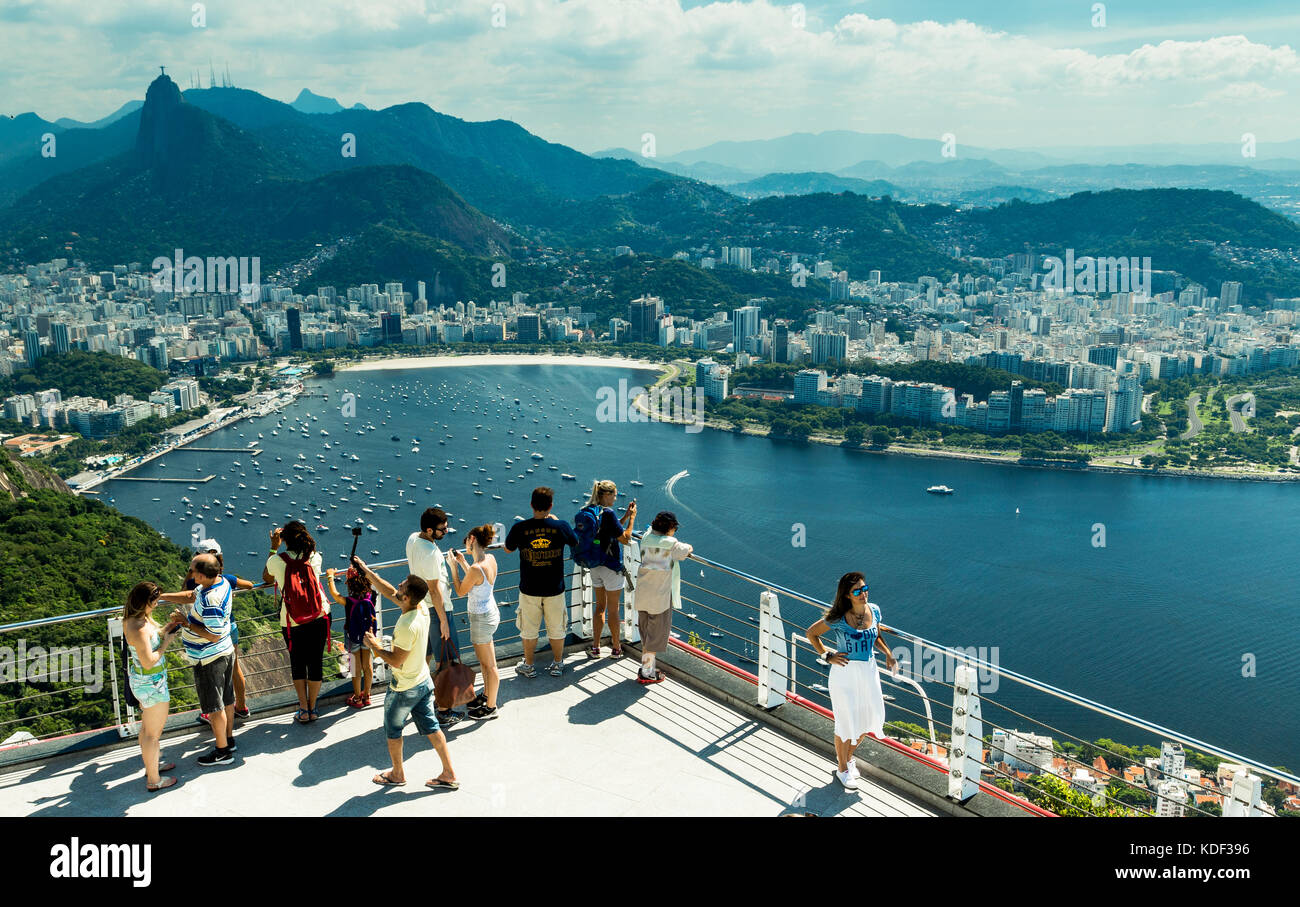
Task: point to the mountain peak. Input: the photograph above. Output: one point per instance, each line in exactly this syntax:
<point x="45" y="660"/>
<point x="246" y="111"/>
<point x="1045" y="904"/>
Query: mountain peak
<point x="310" y="102"/>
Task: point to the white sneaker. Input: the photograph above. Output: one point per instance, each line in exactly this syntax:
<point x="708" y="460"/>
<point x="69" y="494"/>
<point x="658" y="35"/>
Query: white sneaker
<point x="853" y="770"/>
<point x="846" y="779"/>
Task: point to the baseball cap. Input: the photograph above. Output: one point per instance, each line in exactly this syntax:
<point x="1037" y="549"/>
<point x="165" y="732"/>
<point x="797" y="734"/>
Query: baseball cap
<point x="209" y="546"/>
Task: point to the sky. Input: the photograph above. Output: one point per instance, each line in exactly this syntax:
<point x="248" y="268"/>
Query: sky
<point x="597" y="74"/>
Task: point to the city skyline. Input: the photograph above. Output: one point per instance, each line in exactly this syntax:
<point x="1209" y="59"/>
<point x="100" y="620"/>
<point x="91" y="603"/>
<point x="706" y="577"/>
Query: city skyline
<point x="693" y="74"/>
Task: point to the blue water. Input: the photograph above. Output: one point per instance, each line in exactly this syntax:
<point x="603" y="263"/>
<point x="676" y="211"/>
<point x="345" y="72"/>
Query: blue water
<point x="1193" y="577"/>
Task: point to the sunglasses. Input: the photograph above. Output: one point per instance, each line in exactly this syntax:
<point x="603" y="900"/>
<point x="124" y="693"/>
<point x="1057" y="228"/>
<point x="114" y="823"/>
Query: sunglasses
<point x="858" y="593"/>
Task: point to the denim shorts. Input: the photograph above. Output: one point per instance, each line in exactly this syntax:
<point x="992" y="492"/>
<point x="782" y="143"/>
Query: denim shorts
<point x="482" y="627"/>
<point x="417" y="703"/>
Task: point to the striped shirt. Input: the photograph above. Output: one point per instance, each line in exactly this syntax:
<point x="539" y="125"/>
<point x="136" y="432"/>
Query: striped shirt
<point x="211" y="610"/>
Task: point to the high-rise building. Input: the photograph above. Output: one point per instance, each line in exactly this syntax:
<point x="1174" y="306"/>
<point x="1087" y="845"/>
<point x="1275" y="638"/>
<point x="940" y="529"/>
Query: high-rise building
<point x="1104" y="355"/>
<point x="59" y="338"/>
<point x="827" y="345"/>
<point x="807" y="384"/>
<point x="1229" y="295"/>
<point x="31" y="348"/>
<point x="781" y="342"/>
<point x="295" y="329"/>
<point x="643" y="317"/>
<point x="530" y="328"/>
<point x="745" y="324"/>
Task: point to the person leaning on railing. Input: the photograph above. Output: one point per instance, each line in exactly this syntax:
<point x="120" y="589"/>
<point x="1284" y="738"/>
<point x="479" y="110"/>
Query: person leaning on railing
<point x="856" y="700"/>
<point x="305" y="637"/>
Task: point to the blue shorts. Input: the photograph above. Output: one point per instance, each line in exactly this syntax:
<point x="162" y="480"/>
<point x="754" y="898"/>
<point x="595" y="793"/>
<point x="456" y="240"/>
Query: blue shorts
<point x="417" y="703"/>
<point x="150" y="689"/>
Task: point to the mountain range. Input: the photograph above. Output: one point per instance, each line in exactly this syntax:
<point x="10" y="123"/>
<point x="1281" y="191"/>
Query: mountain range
<point x="236" y="173"/>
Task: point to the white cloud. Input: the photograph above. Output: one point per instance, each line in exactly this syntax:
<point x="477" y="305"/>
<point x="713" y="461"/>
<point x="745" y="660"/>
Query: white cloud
<point x="594" y="73"/>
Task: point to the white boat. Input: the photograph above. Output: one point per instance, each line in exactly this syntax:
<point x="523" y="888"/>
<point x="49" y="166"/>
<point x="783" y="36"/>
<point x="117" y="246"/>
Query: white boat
<point x="940" y="489"/>
<point x="568" y="477"/>
<point x="635" y="484"/>
<point x="372" y="527"/>
<point x="536" y="456"/>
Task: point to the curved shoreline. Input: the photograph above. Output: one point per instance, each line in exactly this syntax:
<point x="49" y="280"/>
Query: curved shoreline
<point x="1002" y="461"/>
<point x="392" y="363"/>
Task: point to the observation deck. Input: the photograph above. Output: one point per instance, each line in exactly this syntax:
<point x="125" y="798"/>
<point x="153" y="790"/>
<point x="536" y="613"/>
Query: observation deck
<point x="741" y="727"/>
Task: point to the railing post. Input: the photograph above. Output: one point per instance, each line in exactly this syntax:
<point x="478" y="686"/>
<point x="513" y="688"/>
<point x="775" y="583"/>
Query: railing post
<point x="632" y="563"/>
<point x="773" y="665"/>
<point x="129" y="727"/>
<point x="966" y="749"/>
<point x="581" y="602"/>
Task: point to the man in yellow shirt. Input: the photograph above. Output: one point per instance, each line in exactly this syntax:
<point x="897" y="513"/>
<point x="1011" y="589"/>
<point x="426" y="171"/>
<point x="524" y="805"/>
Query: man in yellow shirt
<point x="410" y="687"/>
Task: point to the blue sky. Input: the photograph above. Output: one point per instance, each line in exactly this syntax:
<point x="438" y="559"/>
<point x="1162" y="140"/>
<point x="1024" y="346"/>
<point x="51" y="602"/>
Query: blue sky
<point x="599" y="73"/>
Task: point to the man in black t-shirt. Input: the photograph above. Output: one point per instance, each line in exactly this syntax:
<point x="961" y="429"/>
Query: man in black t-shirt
<point x="540" y="543"/>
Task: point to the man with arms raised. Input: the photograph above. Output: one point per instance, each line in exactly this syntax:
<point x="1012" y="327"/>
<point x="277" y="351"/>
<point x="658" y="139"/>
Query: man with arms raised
<point x="410" y="688"/>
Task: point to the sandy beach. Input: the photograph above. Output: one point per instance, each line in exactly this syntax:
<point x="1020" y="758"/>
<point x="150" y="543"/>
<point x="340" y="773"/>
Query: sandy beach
<point x="498" y="359"/>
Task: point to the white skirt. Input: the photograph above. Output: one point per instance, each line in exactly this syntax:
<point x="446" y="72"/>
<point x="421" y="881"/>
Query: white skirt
<point x="856" y="701"/>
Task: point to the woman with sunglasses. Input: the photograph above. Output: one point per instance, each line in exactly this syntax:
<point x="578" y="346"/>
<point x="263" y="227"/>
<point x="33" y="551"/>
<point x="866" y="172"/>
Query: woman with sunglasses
<point x="856" y="700"/>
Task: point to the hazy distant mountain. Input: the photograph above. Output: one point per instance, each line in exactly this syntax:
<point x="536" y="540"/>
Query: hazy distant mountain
<point x="21" y="135"/>
<point x="195" y="181"/>
<point x="310" y="102"/>
<point x="808" y="183"/>
<point x="833" y="151"/>
<point x="716" y="174"/>
<point x="75" y="148"/>
<point x="127" y="108"/>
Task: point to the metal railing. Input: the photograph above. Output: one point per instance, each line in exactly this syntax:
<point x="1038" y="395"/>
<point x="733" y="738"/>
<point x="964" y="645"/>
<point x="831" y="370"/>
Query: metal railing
<point x="781" y="668"/>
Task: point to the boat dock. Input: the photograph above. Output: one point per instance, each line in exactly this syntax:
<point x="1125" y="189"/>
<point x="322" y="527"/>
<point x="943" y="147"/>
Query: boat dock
<point x="162" y="479"/>
<point x="251" y="451"/>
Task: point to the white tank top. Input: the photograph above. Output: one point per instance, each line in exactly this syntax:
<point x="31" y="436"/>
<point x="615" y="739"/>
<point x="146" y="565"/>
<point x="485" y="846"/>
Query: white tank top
<point x="480" y="599"/>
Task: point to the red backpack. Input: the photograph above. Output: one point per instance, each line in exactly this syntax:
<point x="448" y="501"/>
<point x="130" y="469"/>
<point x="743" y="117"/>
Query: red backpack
<point x="301" y="593"/>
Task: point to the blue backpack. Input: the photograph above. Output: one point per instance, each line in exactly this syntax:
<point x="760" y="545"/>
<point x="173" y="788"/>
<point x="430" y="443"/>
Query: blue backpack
<point x="586" y="524"/>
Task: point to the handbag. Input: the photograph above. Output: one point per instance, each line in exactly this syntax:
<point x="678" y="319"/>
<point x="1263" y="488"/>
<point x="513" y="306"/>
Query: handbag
<point x="453" y="685"/>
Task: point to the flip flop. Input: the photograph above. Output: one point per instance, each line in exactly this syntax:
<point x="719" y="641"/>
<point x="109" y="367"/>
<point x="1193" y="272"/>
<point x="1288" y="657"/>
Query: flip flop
<point x="385" y="778"/>
<point x="167" y="767"/>
<point x="438" y="782"/>
<point x="163" y="784"/>
<point x="303" y="716"/>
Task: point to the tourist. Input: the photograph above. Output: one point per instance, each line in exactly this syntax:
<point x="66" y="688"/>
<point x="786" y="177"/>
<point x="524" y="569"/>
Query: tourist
<point x="205" y="633"/>
<point x="210" y="546"/>
<point x="359" y="617"/>
<point x="658" y="591"/>
<point x="856" y="700"/>
<point x="474" y="581"/>
<point x="304" y="614"/>
<point x="540" y="542"/>
<point x="146" y="671"/>
<point x="410" y="687"/>
<point x="425" y="560"/>
<point x="601" y="537"/>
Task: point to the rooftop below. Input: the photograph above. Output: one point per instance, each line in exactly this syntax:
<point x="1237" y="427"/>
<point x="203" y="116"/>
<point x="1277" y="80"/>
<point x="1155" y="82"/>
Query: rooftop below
<point x="592" y="742"/>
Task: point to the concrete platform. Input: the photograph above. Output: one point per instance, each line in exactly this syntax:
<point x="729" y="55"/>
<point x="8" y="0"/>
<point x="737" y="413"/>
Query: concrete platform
<point x="593" y="742"/>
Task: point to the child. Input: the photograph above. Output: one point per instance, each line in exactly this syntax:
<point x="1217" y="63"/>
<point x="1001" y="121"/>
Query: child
<point x="358" y="619"/>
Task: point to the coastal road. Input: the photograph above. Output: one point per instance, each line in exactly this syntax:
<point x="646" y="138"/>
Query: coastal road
<point x="1234" y="412"/>
<point x="1193" y="419"/>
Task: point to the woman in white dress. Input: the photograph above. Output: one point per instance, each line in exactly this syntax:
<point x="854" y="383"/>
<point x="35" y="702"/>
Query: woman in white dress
<point x="856" y="700"/>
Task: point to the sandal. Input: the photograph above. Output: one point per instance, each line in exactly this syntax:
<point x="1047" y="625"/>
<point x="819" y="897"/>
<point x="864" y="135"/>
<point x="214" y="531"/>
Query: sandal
<point x="167" y="767"/>
<point x="643" y="680"/>
<point x="163" y="784"/>
<point x="242" y="713"/>
<point x="302" y="717"/>
<point x="386" y="778"/>
<point x="311" y="715"/>
<point x="593" y="652"/>
<point x="438" y="782"/>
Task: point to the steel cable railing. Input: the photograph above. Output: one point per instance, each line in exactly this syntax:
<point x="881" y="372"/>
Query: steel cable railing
<point x="787" y="635"/>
